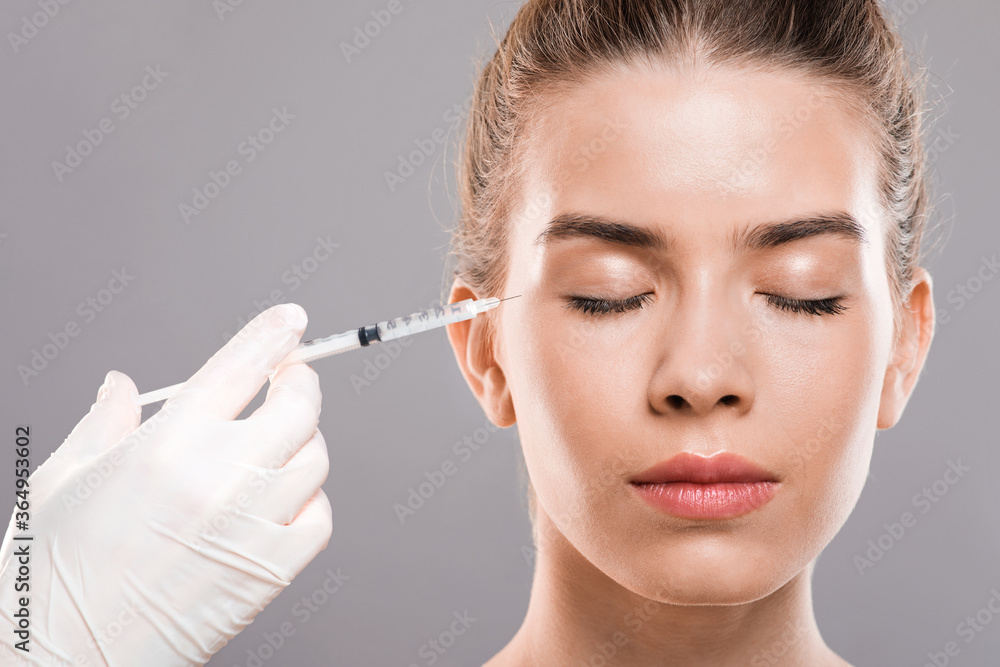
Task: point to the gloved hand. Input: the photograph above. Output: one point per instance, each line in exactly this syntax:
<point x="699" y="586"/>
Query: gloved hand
<point x="154" y="545"/>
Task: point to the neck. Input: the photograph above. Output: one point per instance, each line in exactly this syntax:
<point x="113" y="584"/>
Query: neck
<point x="578" y="616"/>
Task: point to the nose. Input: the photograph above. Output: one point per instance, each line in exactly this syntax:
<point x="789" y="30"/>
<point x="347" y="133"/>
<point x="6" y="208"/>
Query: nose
<point x="703" y="366"/>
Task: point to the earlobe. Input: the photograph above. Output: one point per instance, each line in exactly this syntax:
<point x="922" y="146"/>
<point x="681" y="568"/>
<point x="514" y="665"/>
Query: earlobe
<point x="909" y="352"/>
<point x="502" y="411"/>
<point x="471" y="341"/>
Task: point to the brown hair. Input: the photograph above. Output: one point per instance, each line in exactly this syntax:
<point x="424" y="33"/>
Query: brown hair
<point x="550" y="43"/>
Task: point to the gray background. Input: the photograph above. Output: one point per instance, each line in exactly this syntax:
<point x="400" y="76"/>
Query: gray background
<point x="324" y="176"/>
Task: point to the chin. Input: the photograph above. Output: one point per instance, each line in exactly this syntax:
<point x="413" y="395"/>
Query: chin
<point x="708" y="571"/>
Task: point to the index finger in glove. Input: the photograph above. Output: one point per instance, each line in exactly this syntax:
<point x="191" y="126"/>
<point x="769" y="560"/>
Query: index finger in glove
<point x="233" y="376"/>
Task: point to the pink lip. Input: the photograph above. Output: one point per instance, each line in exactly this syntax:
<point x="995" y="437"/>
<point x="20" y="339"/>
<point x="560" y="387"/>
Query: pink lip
<point x="722" y="486"/>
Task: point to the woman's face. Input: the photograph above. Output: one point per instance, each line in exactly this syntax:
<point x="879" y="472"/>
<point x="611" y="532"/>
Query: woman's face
<point x="702" y="166"/>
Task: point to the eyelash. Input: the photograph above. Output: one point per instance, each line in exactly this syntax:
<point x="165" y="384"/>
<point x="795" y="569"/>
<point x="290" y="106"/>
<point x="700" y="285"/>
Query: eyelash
<point x="595" y="307"/>
<point x="830" y="306"/>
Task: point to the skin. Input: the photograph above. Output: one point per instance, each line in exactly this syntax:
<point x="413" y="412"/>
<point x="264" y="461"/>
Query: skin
<point x="697" y="156"/>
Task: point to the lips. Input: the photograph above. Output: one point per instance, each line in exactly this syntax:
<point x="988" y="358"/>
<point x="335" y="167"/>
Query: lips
<point x="688" y="467"/>
<point x="723" y="486"/>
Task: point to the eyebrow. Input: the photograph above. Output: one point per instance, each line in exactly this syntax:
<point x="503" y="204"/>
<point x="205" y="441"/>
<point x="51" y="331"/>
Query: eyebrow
<point x="760" y="237"/>
<point x="573" y="225"/>
<point x="773" y="234"/>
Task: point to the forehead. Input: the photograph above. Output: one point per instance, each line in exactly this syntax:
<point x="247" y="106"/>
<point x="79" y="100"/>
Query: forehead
<point x="697" y="150"/>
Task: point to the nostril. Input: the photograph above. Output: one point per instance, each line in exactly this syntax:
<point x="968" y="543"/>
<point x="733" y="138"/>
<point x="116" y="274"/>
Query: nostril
<point x="729" y="399"/>
<point x="675" y="401"/>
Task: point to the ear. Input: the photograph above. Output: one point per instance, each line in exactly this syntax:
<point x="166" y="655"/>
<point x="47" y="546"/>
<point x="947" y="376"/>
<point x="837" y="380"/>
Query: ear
<point x="909" y="351"/>
<point x="474" y="342"/>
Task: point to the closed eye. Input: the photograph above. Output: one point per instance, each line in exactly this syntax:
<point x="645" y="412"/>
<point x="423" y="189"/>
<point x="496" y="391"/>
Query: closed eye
<point x="829" y="306"/>
<point x="594" y="306"/>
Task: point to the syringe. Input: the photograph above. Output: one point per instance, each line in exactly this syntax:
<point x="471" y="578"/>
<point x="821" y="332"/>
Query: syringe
<point x="353" y="339"/>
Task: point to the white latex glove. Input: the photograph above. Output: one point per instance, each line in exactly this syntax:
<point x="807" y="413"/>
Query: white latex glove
<point x="154" y="545"/>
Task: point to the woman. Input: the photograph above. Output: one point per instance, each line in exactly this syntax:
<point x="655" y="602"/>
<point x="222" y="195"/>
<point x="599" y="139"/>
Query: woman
<point x="713" y="213"/>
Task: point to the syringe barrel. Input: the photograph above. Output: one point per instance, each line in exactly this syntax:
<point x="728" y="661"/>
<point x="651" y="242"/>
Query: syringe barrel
<point x="353" y="339"/>
<point x="318" y="348"/>
<point x="428" y="319"/>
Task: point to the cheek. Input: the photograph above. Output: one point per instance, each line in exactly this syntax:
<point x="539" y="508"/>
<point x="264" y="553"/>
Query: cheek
<point x="572" y="393"/>
<point x="823" y="401"/>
